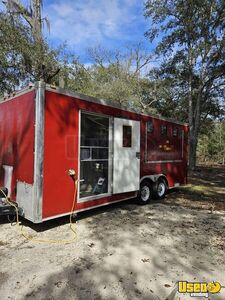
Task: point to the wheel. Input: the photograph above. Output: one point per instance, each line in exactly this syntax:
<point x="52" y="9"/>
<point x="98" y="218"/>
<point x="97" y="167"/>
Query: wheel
<point x="145" y="193"/>
<point x="160" y="189"/>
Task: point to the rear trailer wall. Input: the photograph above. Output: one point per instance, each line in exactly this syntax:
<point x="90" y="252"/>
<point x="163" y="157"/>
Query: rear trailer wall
<point x="17" y="126"/>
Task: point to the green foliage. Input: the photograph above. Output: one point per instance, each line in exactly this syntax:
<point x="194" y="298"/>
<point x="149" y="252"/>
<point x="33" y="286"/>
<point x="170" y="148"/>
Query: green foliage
<point x="23" y="58"/>
<point x="191" y="37"/>
<point x="14" y="47"/>
<point x="211" y="147"/>
<point x="193" y="40"/>
<point x="26" y="57"/>
<point x="114" y="76"/>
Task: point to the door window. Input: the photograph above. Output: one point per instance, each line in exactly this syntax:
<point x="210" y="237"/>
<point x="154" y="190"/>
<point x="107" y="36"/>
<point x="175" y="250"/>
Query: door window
<point x="127" y="136"/>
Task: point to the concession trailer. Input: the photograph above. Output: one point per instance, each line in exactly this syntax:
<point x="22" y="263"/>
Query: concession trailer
<point x="116" y="154"/>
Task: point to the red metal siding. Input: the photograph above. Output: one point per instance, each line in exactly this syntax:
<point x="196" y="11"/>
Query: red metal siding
<point x="61" y="140"/>
<point x="60" y="153"/>
<point x="17" y="118"/>
<point x="164" y="148"/>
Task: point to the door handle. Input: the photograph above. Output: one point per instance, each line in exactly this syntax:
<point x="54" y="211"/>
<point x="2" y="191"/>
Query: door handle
<point x="138" y="155"/>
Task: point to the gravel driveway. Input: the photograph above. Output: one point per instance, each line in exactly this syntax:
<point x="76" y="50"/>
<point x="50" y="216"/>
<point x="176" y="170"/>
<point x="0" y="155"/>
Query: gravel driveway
<point x="122" y="252"/>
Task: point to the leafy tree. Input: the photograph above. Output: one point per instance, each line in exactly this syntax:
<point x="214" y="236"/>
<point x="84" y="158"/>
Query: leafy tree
<point x="114" y="75"/>
<point x="191" y="45"/>
<point x="24" y="53"/>
<point x="14" y="58"/>
<point x="211" y="147"/>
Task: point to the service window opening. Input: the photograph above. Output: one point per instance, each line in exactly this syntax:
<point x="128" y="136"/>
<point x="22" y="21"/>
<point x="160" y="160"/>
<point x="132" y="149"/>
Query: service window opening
<point x="94" y="155"/>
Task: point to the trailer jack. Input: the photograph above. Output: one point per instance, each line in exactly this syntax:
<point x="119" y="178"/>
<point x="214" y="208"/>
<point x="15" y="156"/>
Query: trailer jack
<point x="5" y="208"/>
<point x="12" y="211"/>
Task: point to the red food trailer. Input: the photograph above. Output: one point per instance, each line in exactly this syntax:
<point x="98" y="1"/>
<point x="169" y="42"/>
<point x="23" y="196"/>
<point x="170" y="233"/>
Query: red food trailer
<point x="117" y="153"/>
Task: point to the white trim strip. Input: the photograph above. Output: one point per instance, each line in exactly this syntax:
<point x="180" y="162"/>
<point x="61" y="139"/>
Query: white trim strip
<point x="162" y="161"/>
<point x="182" y="147"/>
<point x="103" y="159"/>
<point x="38" y="152"/>
<point x="97" y="147"/>
<point x="87" y="208"/>
<point x="8" y="170"/>
<point x="93" y="197"/>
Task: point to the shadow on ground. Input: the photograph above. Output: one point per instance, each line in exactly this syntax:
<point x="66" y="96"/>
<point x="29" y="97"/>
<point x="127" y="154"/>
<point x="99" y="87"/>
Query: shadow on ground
<point x="135" y="253"/>
<point x="123" y="251"/>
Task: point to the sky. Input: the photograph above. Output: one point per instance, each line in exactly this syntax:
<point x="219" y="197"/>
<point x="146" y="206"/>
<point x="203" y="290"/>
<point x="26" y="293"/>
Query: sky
<point x="86" y="23"/>
<point x="112" y="24"/>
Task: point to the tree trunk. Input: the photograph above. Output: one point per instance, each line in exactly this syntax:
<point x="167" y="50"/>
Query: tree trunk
<point x="37" y="34"/>
<point x="194" y="132"/>
<point x="193" y="143"/>
<point x="38" y="40"/>
<point x="192" y="157"/>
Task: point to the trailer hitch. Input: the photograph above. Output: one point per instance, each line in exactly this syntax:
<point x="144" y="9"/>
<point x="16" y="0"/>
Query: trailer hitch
<point x="5" y="208"/>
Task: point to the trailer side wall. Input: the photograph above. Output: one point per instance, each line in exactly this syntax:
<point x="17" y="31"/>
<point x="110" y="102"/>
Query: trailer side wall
<point x="61" y="143"/>
<point x="61" y="151"/>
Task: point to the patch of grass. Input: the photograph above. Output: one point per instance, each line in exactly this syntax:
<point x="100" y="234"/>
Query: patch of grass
<point x="204" y="191"/>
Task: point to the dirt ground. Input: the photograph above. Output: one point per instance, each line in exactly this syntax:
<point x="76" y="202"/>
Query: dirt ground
<point x="123" y="251"/>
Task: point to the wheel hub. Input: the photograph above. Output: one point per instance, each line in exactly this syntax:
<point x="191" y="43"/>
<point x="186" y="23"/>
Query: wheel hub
<point x="161" y="189"/>
<point x="145" y="193"/>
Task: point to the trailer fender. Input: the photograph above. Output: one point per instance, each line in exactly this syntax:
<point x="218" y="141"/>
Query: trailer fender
<point x="154" y="178"/>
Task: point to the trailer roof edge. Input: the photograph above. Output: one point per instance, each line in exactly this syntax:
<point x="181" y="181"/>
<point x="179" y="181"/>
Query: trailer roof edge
<point x="11" y="96"/>
<point x="107" y="102"/>
<point x="84" y="97"/>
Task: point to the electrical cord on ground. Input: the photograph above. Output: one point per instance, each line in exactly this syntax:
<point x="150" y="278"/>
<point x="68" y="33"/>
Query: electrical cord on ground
<point x="49" y="241"/>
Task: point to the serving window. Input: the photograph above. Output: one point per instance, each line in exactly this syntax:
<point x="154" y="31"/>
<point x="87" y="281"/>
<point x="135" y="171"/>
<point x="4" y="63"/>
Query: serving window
<point x="150" y="127"/>
<point x="163" y="141"/>
<point x="94" y="155"/>
<point x="163" y="129"/>
<point x="175" y="131"/>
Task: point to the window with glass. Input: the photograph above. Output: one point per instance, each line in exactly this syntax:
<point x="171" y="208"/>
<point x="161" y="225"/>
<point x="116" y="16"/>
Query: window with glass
<point x="94" y="155"/>
<point x="127" y="136"/>
<point x="150" y="127"/>
<point x="163" y="130"/>
<point x="175" y="131"/>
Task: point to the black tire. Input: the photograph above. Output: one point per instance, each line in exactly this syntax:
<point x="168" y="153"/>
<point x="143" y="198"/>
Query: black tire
<point x="145" y="193"/>
<point x="160" y="189"/>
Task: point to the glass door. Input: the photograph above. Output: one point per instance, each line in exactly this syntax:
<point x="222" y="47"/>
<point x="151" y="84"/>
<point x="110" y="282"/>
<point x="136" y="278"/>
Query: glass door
<point x="94" y="156"/>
